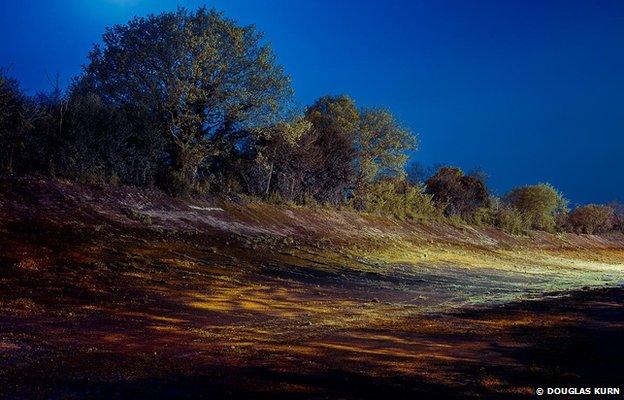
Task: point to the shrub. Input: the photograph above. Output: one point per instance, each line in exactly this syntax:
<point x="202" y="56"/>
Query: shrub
<point x="456" y="221"/>
<point x="275" y="198"/>
<point x="399" y="199"/>
<point x="538" y="205"/>
<point x="483" y="216"/>
<point x="137" y="215"/>
<point x="456" y="193"/>
<point x="592" y="218"/>
<point x="510" y="220"/>
<point x="174" y="183"/>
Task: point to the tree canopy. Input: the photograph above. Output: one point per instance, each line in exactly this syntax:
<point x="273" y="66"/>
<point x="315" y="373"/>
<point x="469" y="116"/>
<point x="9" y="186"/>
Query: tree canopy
<point x="194" y="82"/>
<point x="382" y="145"/>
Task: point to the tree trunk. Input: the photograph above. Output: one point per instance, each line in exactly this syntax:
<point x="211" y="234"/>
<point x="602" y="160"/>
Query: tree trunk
<point x="269" y="180"/>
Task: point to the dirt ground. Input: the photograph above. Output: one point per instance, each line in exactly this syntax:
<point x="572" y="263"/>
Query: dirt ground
<point x="116" y="293"/>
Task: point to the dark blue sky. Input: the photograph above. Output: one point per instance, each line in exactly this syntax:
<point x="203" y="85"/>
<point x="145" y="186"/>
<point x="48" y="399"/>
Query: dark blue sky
<point x="529" y="91"/>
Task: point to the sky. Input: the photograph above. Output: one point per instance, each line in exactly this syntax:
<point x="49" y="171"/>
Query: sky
<point x="527" y="91"/>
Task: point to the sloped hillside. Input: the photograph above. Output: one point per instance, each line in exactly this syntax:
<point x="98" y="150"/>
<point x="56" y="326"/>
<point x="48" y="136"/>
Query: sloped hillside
<point x="487" y="263"/>
<point x="104" y="292"/>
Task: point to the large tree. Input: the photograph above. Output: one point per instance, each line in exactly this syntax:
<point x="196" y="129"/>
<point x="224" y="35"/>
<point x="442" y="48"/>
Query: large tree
<point x="359" y="147"/>
<point x="194" y="82"/>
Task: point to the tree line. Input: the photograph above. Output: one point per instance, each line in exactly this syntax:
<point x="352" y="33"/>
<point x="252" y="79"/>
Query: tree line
<point x="192" y="103"/>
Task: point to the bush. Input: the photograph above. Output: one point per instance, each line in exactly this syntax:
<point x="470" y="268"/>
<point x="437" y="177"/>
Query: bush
<point x="510" y="220"/>
<point x="538" y="205"/>
<point x="399" y="199"/>
<point x="591" y="219"/>
<point x="275" y="198"/>
<point x="456" y="193"/>
<point x="483" y="216"/>
<point x="137" y="215"/>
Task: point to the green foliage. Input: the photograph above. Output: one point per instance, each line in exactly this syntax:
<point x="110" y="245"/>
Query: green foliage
<point x="194" y="85"/>
<point x="510" y="220"/>
<point x="539" y="205"/>
<point x="591" y="219"/>
<point x="175" y="183"/>
<point x="310" y="201"/>
<point x="137" y="215"/>
<point x="483" y="216"/>
<point x="398" y="199"/>
<point x="381" y="145"/>
<point x="307" y="157"/>
<point x="275" y="198"/>
<point x="285" y="156"/>
<point x="335" y="115"/>
<point x="456" y="220"/>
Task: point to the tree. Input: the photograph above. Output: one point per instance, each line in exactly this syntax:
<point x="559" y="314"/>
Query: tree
<point x="194" y="83"/>
<point x="79" y="137"/>
<point x="618" y="214"/>
<point x="281" y="159"/>
<point x="334" y="122"/>
<point x="591" y="219"/>
<point x="17" y="114"/>
<point x="456" y="193"/>
<point x="539" y="205"/>
<point x="381" y="145"/>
